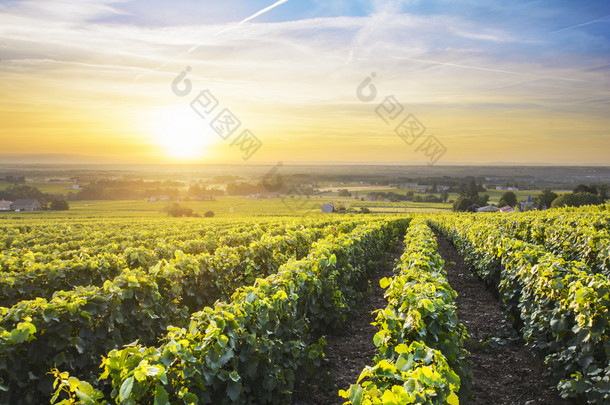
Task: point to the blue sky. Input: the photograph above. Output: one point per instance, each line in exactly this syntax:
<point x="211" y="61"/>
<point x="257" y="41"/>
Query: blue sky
<point x="519" y="81"/>
<point x="549" y="15"/>
<point x="527" y="17"/>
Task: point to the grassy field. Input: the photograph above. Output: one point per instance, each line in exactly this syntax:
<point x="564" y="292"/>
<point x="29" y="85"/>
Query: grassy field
<point x="495" y="195"/>
<point x="239" y="207"/>
<point x="45" y="187"/>
<point x="223" y="207"/>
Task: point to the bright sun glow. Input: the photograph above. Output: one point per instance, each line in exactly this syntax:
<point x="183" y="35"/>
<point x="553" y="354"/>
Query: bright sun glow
<point x="183" y="134"/>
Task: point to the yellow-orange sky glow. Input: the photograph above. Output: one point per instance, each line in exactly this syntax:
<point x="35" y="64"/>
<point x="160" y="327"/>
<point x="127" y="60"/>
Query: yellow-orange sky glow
<point x="92" y="81"/>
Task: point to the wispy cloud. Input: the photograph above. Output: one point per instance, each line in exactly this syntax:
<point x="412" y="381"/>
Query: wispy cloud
<point x="510" y="72"/>
<point x="63" y="10"/>
<point x="217" y="33"/>
<point x="299" y="76"/>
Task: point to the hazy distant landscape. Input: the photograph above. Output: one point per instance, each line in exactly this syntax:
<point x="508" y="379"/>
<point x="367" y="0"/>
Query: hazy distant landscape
<point x="240" y="190"/>
<point x="304" y="202"/>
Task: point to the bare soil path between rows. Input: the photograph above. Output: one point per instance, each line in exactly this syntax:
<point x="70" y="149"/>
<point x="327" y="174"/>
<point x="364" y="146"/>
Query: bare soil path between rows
<point x="505" y="372"/>
<point x="350" y="348"/>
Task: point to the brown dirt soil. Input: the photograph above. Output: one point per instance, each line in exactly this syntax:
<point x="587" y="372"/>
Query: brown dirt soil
<point x="349" y="348"/>
<point x="504" y="370"/>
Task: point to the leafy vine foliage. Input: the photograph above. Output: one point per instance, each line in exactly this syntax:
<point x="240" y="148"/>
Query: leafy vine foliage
<point x="265" y="293"/>
<point x="420" y="357"/>
<point x="556" y="287"/>
<point x="73" y="328"/>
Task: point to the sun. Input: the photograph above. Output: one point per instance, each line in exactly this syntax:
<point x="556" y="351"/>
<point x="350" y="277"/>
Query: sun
<point x="183" y="134"/>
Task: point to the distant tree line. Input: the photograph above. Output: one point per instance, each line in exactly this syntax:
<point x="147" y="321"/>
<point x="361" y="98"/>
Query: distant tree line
<point x="98" y="191"/>
<point x="409" y="196"/>
<point x="245" y="188"/>
<point x="592" y="194"/>
<point x="138" y="183"/>
<point x="22" y="191"/>
<point x="138" y="189"/>
<point x="345" y="193"/>
<point x="508" y="199"/>
<point x="176" y="210"/>
<point x="198" y="190"/>
<point x="14" y="179"/>
<point x="469" y="197"/>
<point x="287" y="187"/>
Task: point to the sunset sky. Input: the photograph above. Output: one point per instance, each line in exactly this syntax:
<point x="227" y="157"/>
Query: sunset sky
<point x="91" y="81"/>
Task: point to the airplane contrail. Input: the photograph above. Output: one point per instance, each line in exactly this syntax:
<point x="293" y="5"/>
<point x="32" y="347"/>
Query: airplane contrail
<point x="245" y="20"/>
<point x="263" y="11"/>
<point x="582" y="24"/>
<point x="195" y="47"/>
<point x="485" y="69"/>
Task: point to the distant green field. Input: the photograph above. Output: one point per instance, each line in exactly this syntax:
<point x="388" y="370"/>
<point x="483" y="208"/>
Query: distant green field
<point x="495" y="195"/>
<point x="239" y="207"/>
<point x="53" y="188"/>
<point x="223" y="207"/>
<point x="45" y="186"/>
